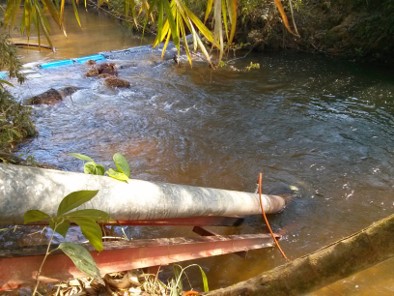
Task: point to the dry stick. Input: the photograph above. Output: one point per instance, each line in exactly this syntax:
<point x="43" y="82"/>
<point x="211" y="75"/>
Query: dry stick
<point x="260" y="181"/>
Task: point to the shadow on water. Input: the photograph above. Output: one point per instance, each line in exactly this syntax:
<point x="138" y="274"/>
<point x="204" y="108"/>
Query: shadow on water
<point x="322" y="125"/>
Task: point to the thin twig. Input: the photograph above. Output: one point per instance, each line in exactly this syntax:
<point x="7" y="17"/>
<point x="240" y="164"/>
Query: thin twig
<point x="260" y="186"/>
<point x="43" y="262"/>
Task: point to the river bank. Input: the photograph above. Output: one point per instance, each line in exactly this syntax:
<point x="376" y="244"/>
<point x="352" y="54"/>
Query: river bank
<point x="357" y="30"/>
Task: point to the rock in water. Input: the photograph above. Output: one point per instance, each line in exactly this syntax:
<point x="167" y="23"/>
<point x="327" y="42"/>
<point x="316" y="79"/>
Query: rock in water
<point x="51" y="96"/>
<point x="113" y="82"/>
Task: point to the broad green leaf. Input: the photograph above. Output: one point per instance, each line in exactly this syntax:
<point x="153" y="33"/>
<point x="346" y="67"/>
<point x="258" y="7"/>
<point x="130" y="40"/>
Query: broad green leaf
<point x="91" y="230"/>
<point x="121" y="164"/>
<point x="93" y="168"/>
<point x="81" y="257"/>
<point x="62" y="228"/>
<point x="94" y="214"/>
<point x="81" y="157"/>
<point x="35" y="216"/>
<point x="74" y="200"/>
<point x="100" y="169"/>
<point x="117" y="175"/>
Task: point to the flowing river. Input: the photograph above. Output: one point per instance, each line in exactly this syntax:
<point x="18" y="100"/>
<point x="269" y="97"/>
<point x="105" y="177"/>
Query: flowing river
<point x="325" y="126"/>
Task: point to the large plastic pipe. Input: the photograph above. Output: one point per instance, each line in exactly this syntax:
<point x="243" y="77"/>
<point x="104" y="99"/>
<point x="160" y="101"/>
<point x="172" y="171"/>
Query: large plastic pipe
<point x="25" y="188"/>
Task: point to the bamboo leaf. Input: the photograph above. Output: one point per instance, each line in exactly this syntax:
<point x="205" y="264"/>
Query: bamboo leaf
<point x="76" y="13"/>
<point x="53" y="11"/>
<point x="203" y="49"/>
<point x="61" y="11"/>
<point x="232" y="6"/>
<point x="186" y="45"/>
<point x="208" y="10"/>
<point x="171" y="21"/>
<point x="74" y="200"/>
<point x="200" y="26"/>
<point x="82" y="259"/>
<point x="121" y="164"/>
<point x="35" y="216"/>
<point x="218" y="33"/>
<point x="42" y="22"/>
<point x="91" y="230"/>
<point x="167" y="40"/>
<point x="160" y="22"/>
<point x="12" y="9"/>
<point x="283" y="16"/>
<point x="225" y="20"/>
<point x="164" y="30"/>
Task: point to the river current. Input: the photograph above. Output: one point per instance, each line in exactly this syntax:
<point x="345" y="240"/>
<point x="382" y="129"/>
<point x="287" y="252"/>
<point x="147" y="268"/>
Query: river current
<point x="322" y="125"/>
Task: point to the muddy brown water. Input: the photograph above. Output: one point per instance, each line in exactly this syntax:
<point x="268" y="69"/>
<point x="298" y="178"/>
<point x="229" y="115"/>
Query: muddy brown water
<point x="322" y="125"/>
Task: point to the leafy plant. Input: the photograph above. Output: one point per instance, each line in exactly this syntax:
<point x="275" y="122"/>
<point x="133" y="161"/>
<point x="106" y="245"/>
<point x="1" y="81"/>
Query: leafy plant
<point x="121" y="173"/>
<point x="86" y="219"/>
<point x="9" y="61"/>
<point x="175" y="285"/>
<point x="252" y="66"/>
<point x="15" y="122"/>
<point x="173" y="18"/>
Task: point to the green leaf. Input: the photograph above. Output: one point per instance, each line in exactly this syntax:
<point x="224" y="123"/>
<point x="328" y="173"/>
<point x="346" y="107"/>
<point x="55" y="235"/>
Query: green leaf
<point x="91" y="230"/>
<point x="74" y="200"/>
<point x="121" y="164"/>
<point x="76" y="14"/>
<point x="35" y="216"/>
<point x="96" y="215"/>
<point x="53" y="12"/>
<point x="93" y="168"/>
<point x="117" y="175"/>
<point x="81" y="157"/>
<point x="81" y="257"/>
<point x="62" y="228"/>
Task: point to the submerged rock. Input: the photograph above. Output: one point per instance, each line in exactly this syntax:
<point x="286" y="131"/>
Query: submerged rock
<point x="51" y="96"/>
<point x="101" y="69"/>
<point x="113" y="82"/>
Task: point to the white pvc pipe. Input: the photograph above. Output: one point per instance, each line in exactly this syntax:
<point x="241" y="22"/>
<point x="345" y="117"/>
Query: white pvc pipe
<point x="25" y="188"/>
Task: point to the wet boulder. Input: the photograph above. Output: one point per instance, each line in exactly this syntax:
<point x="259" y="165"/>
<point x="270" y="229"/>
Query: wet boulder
<point x="51" y="96"/>
<point x="114" y="82"/>
<point x="104" y="69"/>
